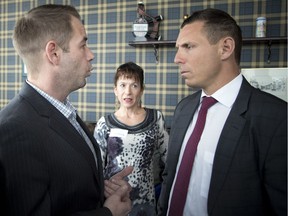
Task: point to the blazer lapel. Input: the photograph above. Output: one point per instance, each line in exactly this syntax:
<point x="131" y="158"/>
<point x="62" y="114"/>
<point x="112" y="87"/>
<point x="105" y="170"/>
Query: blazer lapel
<point x="94" y="143"/>
<point x="66" y="130"/>
<point x="99" y="175"/>
<point x="181" y="122"/>
<point x="227" y="143"/>
<point x="63" y="127"/>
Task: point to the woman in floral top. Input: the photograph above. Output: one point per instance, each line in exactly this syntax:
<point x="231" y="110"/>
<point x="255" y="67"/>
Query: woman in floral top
<point x="134" y="135"/>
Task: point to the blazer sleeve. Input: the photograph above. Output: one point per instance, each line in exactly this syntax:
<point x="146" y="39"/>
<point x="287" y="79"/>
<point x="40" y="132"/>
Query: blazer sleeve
<point x="101" y="212"/>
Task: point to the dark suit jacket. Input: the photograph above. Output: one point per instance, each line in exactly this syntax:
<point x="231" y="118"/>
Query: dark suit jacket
<point x="249" y="175"/>
<point x="46" y="167"/>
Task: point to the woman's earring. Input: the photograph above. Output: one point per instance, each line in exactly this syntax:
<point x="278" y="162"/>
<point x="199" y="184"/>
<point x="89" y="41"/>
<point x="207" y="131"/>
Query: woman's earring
<point x="117" y="104"/>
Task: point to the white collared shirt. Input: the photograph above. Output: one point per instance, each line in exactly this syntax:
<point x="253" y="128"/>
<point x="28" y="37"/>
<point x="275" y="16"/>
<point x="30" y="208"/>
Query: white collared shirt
<point x="197" y="196"/>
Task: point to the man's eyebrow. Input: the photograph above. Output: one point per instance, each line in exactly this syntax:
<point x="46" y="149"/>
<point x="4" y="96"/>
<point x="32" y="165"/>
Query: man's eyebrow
<point x="181" y="45"/>
<point x="186" y="44"/>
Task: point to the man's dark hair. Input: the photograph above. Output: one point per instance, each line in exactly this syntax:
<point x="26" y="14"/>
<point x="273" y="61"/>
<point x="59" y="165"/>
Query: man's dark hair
<point x="218" y="24"/>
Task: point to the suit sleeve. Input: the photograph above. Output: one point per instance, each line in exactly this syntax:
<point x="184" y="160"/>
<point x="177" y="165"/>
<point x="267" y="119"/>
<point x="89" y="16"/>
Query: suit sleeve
<point x="22" y="171"/>
<point x="275" y="171"/>
<point x="101" y="212"/>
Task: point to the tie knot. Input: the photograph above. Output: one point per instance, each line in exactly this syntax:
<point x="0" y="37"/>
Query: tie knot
<point x="207" y="102"/>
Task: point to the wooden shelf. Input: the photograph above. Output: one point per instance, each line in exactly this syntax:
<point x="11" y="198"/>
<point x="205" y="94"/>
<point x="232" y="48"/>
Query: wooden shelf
<point x="153" y="43"/>
<point x="171" y="43"/>
<point x="265" y="40"/>
<point x="164" y="43"/>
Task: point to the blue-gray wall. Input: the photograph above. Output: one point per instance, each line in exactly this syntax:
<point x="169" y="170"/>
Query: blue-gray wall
<point x="108" y="24"/>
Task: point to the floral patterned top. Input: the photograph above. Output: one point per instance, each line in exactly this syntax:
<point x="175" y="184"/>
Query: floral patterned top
<point x="144" y="146"/>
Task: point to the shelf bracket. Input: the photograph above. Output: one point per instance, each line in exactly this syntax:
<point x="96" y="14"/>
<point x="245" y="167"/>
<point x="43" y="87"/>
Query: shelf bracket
<point x="269" y="51"/>
<point x="156" y="53"/>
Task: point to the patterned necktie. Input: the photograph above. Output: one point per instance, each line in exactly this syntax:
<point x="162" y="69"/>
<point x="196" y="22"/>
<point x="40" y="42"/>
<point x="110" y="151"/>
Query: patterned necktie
<point x="183" y="177"/>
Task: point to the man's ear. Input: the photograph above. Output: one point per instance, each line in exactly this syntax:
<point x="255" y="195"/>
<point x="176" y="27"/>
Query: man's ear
<point x="52" y="52"/>
<point x="228" y="47"/>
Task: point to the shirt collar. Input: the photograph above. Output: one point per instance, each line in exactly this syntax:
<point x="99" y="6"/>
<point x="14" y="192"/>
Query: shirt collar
<point x="66" y="108"/>
<point x="228" y="93"/>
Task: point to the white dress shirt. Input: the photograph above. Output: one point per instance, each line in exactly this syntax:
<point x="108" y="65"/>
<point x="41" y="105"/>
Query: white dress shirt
<point x="197" y="196"/>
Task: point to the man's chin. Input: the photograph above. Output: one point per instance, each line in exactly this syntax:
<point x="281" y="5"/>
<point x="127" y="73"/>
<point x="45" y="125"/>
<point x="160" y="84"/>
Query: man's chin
<point x="193" y="86"/>
<point x="83" y="84"/>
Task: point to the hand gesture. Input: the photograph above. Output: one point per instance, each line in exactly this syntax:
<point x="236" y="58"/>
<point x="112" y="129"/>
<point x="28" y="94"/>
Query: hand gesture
<point x="117" y="192"/>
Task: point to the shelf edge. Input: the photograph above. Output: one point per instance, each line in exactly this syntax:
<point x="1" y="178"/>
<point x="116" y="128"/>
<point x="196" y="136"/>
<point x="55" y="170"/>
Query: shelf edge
<point x="245" y="41"/>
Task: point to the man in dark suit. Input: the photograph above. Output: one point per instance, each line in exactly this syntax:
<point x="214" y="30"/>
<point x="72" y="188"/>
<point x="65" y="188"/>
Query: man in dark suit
<point x="240" y="167"/>
<point x="50" y="163"/>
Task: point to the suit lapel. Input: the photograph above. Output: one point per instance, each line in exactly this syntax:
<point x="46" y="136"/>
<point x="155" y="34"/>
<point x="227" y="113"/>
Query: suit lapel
<point x="227" y="144"/>
<point x="64" y="128"/>
<point x="99" y="175"/>
<point x="187" y="113"/>
<point x="182" y="119"/>
<point x="71" y="135"/>
<point x="94" y="143"/>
